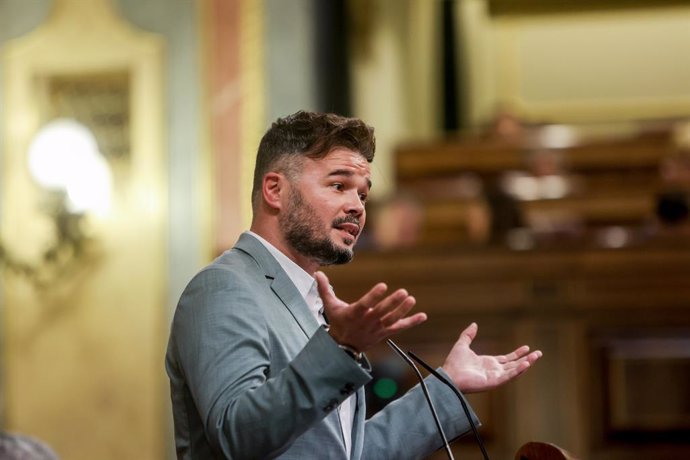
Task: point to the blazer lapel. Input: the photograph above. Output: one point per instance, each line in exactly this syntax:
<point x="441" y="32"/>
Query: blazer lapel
<point x="281" y="285"/>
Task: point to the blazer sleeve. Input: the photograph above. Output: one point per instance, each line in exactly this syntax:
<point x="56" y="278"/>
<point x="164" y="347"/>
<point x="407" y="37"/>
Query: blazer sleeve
<point x="222" y="347"/>
<point x="405" y="428"/>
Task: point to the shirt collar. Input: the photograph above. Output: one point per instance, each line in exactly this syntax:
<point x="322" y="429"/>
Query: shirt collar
<point x="303" y="281"/>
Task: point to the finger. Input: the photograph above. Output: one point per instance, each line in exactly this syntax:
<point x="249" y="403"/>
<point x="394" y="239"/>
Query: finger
<point x="517" y="354"/>
<point x="325" y="292"/>
<point x="530" y="358"/>
<point x="468" y="335"/>
<point x="406" y="323"/>
<point x="330" y="300"/>
<point x="535" y="355"/>
<point x="324" y="286"/>
<point x="519" y="369"/>
<point x="390" y="303"/>
<point x="398" y="311"/>
<point x="512" y="372"/>
<point x="371" y="298"/>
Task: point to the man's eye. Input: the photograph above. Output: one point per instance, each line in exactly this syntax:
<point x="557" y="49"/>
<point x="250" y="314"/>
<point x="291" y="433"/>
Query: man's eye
<point x="338" y="186"/>
<point x="363" y="197"/>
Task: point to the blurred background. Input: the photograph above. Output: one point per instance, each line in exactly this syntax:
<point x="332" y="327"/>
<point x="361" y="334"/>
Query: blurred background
<point x="532" y="175"/>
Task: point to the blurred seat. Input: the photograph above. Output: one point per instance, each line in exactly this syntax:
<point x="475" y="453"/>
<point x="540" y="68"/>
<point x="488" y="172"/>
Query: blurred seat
<point x="543" y="451"/>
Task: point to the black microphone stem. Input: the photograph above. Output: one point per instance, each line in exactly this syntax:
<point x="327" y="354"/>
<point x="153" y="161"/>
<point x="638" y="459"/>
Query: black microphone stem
<point x="459" y="395"/>
<point x="402" y="354"/>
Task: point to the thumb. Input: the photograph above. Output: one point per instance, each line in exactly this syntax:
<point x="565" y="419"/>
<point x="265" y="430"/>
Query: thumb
<point x="468" y="335"/>
<point x="324" y="287"/>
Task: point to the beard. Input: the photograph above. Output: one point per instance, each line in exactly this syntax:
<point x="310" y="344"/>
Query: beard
<point x="304" y="232"/>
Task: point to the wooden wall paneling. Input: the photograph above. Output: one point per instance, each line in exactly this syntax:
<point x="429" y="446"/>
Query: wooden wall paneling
<point x="548" y="398"/>
<point x="565" y="302"/>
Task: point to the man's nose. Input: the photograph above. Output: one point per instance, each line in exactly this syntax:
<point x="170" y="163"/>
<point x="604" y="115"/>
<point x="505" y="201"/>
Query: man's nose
<point x="354" y="205"/>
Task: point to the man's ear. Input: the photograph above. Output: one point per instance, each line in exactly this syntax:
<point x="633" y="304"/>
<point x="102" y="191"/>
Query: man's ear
<point x="273" y="187"/>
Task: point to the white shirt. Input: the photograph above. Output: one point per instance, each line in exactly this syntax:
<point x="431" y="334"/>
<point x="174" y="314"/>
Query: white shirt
<point x="306" y="285"/>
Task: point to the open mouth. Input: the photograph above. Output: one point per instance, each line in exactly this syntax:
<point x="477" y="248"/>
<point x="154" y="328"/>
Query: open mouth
<point x="349" y="228"/>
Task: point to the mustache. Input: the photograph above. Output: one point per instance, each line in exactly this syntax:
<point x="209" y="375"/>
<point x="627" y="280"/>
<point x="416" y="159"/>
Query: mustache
<point x="346" y="220"/>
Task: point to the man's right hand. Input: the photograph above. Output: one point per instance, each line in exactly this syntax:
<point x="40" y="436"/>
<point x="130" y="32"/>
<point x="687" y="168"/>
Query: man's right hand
<point x="369" y="320"/>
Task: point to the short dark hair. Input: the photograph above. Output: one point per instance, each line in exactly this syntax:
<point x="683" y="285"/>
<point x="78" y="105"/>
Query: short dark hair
<point x="311" y="135"/>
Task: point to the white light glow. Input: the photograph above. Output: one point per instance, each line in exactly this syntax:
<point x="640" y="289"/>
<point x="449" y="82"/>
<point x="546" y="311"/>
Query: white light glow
<point x="64" y="156"/>
<point x="554" y="187"/>
<point x="529" y="188"/>
<point x="614" y="237"/>
<point x="557" y="136"/>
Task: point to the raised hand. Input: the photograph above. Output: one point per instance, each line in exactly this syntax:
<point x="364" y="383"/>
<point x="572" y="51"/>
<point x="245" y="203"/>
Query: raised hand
<point x="370" y="319"/>
<point x="472" y="373"/>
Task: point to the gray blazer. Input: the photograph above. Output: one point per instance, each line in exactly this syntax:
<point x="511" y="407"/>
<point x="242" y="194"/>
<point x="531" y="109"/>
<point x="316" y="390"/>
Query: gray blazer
<point x="253" y="376"/>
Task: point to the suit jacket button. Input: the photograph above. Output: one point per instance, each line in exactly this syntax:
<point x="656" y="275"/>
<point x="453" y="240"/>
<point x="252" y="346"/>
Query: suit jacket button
<point x="332" y="404"/>
<point x="347" y="389"/>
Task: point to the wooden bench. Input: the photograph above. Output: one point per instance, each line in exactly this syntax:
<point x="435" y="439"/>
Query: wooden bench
<point x="616" y="182"/>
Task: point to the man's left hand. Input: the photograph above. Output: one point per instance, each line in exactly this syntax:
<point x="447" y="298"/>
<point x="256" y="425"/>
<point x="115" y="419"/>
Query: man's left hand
<point x="472" y="373"/>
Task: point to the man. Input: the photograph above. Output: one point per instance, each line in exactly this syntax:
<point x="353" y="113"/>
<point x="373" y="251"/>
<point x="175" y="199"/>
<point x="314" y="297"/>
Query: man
<point x="256" y="370"/>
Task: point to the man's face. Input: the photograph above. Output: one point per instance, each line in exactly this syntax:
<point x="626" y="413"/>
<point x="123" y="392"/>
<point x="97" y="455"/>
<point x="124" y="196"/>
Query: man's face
<point x="324" y="214"/>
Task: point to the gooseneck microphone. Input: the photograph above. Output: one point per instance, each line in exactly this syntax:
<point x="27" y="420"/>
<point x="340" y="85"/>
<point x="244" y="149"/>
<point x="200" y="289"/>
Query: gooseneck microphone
<point x="458" y="394"/>
<point x="402" y="354"/>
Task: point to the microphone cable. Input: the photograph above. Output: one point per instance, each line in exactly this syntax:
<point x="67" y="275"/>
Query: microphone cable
<point x="458" y="394"/>
<point x="402" y="354"/>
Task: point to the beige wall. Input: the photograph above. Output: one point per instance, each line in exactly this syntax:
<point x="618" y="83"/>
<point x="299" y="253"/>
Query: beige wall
<point x="394" y="77"/>
<point x="82" y="357"/>
<point x="619" y="64"/>
<point x="568" y="67"/>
